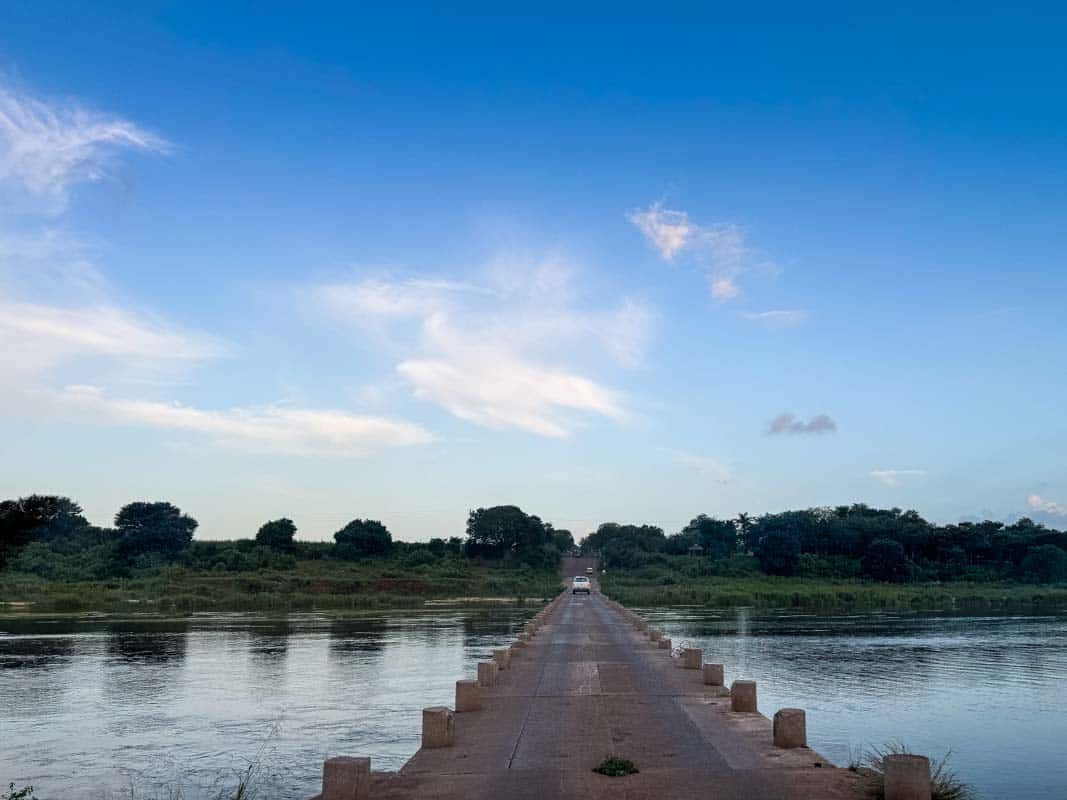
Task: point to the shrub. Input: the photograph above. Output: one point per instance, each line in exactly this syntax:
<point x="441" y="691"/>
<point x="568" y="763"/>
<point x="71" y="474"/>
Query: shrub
<point x="1045" y="563"/>
<point x="885" y="561"/>
<point x="278" y="533"/>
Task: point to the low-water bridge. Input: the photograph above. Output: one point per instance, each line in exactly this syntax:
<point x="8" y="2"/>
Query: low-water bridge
<point x="588" y="679"/>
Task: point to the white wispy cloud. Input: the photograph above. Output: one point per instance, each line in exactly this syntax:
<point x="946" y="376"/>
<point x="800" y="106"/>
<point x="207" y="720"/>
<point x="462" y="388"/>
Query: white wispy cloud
<point x="504" y="352"/>
<point x="779" y="317"/>
<point x="711" y="468"/>
<point x="36" y="338"/>
<point x="895" y="477"/>
<point x="272" y="429"/>
<point x="47" y="148"/>
<point x="1039" y="503"/>
<point x="720" y="249"/>
<point x="791" y="424"/>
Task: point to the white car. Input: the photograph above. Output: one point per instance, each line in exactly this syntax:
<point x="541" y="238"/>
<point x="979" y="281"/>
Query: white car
<point x="581" y="584"/>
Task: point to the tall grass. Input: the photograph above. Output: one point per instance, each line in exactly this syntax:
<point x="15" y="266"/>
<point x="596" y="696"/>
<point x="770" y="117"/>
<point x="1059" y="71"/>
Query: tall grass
<point x="307" y="586"/>
<point x="945" y="784"/>
<point x="644" y="588"/>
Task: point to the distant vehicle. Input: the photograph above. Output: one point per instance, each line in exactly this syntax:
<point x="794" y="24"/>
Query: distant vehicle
<point x="581" y="584"/>
<point x="588" y="570"/>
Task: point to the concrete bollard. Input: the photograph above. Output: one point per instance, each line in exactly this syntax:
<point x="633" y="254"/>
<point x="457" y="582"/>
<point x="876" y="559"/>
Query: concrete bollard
<point x="487" y="673"/>
<point x="346" y="778"/>
<point x="790" y="728"/>
<point x="502" y="657"/>
<point x="743" y="696"/>
<point x="664" y="644"/>
<point x="907" y="777"/>
<point x="714" y="675"/>
<point x="655" y="635"/>
<point x="468" y="696"/>
<point x="438" y="727"/>
<point x="692" y="657"/>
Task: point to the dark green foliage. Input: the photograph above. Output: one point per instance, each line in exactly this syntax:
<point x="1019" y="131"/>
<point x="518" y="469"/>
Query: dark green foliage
<point x="885" y="561"/>
<point x="563" y="540"/>
<point x="615" y="767"/>
<point x="1045" y="563"/>
<point x="717" y="537"/>
<point x="153" y="529"/>
<point x="779" y="552"/>
<point x="361" y="538"/>
<point x="37" y="517"/>
<point x="278" y="534"/>
<point x="506" y="532"/>
<point x="813" y="566"/>
<point x="648" y="538"/>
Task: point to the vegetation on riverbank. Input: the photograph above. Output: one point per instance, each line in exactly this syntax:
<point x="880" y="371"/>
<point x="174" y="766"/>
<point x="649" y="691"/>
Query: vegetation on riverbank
<point x="55" y="561"/>
<point x="685" y="580"/>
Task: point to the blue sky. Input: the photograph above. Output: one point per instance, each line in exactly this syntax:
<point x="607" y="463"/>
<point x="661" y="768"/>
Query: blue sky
<point x="612" y="265"/>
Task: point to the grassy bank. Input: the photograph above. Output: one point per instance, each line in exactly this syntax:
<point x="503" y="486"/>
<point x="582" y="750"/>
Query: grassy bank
<point x="662" y="586"/>
<point x="307" y="585"/>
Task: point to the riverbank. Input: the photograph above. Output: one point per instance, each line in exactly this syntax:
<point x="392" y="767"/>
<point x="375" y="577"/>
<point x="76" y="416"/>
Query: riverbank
<point x="307" y="586"/>
<point x="648" y="588"/>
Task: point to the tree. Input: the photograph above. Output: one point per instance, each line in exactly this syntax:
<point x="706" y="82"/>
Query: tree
<point x="563" y="539"/>
<point x="779" y="553"/>
<point x="503" y="531"/>
<point x="37" y="517"/>
<point x="718" y="538"/>
<point x="277" y="534"/>
<point x="885" y="560"/>
<point x="1045" y="563"/>
<point x="362" y="537"/>
<point x="644" y="537"/>
<point x="159" y="528"/>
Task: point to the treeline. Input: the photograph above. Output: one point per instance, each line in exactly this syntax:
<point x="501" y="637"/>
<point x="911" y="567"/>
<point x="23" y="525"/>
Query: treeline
<point x="847" y="542"/>
<point x="49" y="536"/>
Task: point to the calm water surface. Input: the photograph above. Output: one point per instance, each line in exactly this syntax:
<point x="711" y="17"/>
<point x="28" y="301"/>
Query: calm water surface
<point x="91" y="708"/>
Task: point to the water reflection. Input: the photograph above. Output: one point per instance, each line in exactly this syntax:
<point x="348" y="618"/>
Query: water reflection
<point x="980" y="686"/>
<point x="174" y="703"/>
<point x="147" y="642"/>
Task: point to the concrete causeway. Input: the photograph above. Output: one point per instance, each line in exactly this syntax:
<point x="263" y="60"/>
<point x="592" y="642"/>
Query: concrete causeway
<point x="584" y="682"/>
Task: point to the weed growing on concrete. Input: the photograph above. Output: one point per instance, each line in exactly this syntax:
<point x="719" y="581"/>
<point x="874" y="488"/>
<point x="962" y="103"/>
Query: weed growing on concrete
<point x="615" y="767"/>
<point x="945" y="784"/>
<point x="25" y="793"/>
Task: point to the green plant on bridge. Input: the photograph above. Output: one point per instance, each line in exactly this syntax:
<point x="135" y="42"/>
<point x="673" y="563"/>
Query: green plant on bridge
<point x="615" y="767"/>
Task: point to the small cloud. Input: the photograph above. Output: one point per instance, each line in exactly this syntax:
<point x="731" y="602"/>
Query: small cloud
<point x="791" y="424"/>
<point x="719" y="250"/>
<point x="708" y="467"/>
<point x="45" y="149"/>
<point x="894" y="477"/>
<point x="1039" y="503"/>
<point x="778" y="317"/>
<point x="273" y="429"/>
<point x="668" y="231"/>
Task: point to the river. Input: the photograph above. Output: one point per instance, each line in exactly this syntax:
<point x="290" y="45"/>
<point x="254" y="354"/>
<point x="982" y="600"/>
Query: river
<point x="105" y="708"/>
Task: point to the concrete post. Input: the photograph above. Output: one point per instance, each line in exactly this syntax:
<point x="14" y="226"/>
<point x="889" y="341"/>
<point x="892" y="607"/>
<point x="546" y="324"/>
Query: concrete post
<point x="743" y="696"/>
<point x="714" y="675"/>
<point x="692" y="657"/>
<point x="346" y="778"/>
<point x="438" y="727"/>
<point x="907" y="777"/>
<point x="655" y="635"/>
<point x="790" y="728"/>
<point x="487" y="673"/>
<point x="502" y="658"/>
<point x="468" y="697"/>
<point x="664" y="644"/>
